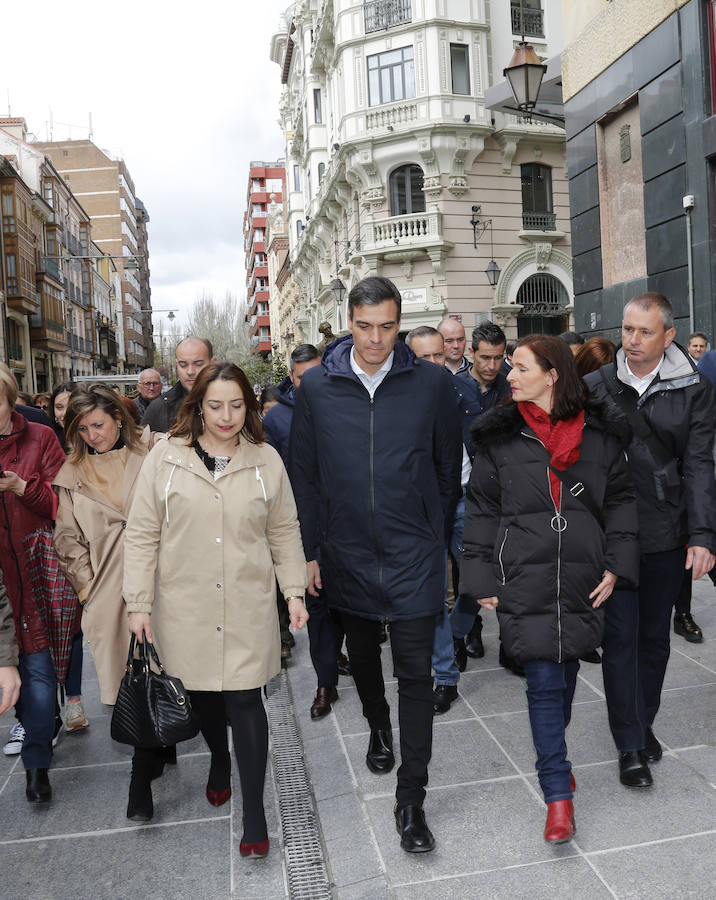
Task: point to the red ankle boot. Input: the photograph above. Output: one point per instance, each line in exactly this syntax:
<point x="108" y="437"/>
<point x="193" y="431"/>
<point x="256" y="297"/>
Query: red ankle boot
<point x="559" y="826"/>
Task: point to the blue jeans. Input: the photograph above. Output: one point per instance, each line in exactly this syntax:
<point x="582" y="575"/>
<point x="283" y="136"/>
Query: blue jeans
<point x="462" y="617"/>
<point x="550" y="690"/>
<point x="73" y="682"/>
<point x="36" y="708"/>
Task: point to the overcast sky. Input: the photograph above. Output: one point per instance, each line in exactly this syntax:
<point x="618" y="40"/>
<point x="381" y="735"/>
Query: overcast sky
<point x="186" y="94"/>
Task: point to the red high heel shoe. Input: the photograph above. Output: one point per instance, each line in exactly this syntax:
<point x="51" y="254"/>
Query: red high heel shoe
<point x="259" y="849"/>
<point x="217" y="798"/>
<point x="559" y="827"/>
<point x="572" y="782"/>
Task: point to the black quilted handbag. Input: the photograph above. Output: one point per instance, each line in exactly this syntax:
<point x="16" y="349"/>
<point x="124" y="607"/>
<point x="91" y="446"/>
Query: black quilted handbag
<point x="152" y="708"/>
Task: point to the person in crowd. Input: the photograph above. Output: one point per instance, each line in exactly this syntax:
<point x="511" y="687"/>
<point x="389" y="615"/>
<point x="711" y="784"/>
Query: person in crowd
<point x="698" y="342"/>
<point x="593" y="354"/>
<point x="545" y="556"/>
<point x="573" y="340"/>
<point x="479" y="389"/>
<point x="375" y="464"/>
<point x="59" y="399"/>
<point x="25" y="399"/>
<point x="131" y="407"/>
<point x="453" y="332"/>
<point x="96" y="486"/>
<point x="325" y="634"/>
<point x="191" y="355"/>
<point x="428" y="343"/>
<point x="268" y="399"/>
<point x="507" y="361"/>
<point x="9" y="675"/>
<point x="30" y="456"/>
<point x="213" y="519"/>
<point x="41" y="401"/>
<point x="671" y="409"/>
<point x="149" y="387"/>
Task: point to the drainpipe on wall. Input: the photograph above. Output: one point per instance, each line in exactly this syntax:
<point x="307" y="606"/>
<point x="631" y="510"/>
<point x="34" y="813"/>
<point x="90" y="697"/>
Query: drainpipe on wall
<point x="688" y="202"/>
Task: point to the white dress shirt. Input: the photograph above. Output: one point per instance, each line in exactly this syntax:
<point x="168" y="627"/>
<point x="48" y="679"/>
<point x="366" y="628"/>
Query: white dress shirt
<point x="371" y="382"/>
<point x="641" y="384"/>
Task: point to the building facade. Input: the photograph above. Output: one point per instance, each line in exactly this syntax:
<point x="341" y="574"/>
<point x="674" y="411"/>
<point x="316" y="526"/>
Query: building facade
<point x="266" y="185"/>
<point x="389" y="149"/>
<point x="104" y="186"/>
<point x="639" y="103"/>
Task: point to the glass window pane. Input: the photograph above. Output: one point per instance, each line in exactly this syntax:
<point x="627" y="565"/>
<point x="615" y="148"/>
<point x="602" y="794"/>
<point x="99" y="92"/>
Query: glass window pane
<point x="409" y="79"/>
<point x="460" y="69"/>
<point x="374" y="88"/>
<point x="417" y="197"/>
<point x="386" y="92"/>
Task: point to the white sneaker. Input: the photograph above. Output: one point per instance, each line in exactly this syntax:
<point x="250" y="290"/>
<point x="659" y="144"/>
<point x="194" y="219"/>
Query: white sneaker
<point x="75" y="718"/>
<point x="17" y="738"/>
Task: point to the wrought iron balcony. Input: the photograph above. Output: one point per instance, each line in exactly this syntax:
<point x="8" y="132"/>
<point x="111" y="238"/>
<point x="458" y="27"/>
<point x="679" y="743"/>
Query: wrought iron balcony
<point x="379" y="15"/>
<point x="539" y="221"/>
<point x="531" y="23"/>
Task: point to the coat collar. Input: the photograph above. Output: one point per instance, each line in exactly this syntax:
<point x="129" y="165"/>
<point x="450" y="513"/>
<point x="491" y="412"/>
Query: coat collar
<point x="177" y="452"/>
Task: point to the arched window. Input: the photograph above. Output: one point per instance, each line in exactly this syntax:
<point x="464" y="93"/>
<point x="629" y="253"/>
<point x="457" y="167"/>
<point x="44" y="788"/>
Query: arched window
<point x="543" y="299"/>
<point x="406" y="191"/>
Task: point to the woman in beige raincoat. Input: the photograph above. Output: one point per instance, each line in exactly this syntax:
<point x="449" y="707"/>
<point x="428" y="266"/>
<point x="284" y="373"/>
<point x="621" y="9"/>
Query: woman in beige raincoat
<point x="213" y="520"/>
<point x="96" y="488"/>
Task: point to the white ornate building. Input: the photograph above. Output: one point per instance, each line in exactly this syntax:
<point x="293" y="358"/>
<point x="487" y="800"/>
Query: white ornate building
<point x="389" y="147"/>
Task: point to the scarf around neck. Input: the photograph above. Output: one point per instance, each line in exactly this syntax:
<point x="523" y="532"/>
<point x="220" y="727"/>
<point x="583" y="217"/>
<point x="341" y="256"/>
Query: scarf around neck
<point x="562" y="440"/>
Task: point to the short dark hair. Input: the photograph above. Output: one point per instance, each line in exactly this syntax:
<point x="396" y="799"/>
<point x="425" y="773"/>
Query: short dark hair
<point x="303" y="353"/>
<point x="268" y="395"/>
<point x="651" y="298"/>
<point x="570" y="392"/>
<point x="193" y="337"/>
<point x="572" y="338"/>
<point x="421" y="331"/>
<point x="699" y="334"/>
<point x="489" y="333"/>
<point x="188" y="424"/>
<point x="373" y="291"/>
<point x="510" y="348"/>
<point x="64" y="387"/>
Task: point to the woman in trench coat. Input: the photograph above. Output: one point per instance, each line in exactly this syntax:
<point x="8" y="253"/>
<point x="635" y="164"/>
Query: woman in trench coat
<point x="96" y="487"/>
<point x="213" y="519"/>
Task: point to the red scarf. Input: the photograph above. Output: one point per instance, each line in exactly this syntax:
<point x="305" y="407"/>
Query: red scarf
<point x="562" y="440"/>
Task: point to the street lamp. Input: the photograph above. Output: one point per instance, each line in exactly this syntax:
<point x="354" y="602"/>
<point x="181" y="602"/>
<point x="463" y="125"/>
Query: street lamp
<point x="339" y="290"/>
<point x="525" y="72"/>
<point x="479" y="227"/>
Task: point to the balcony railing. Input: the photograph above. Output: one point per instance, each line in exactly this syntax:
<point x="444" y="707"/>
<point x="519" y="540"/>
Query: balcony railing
<point x="417" y="228"/>
<point x="531" y="23"/>
<point x="399" y="114"/>
<point x="379" y="15"/>
<point x="49" y="265"/>
<point x="539" y="221"/>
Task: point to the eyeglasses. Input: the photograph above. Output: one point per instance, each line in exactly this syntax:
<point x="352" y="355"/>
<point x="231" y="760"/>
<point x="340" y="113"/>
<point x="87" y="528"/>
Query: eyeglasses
<point x="43" y="406"/>
<point x="150" y="383"/>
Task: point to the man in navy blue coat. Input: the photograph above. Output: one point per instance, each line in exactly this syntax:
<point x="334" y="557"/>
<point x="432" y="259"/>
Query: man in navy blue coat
<point x="375" y="467"/>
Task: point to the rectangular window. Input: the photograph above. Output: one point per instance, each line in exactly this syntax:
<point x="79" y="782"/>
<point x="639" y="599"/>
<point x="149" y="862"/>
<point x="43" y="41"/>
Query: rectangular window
<point x="11" y="272"/>
<point x="460" y="67"/>
<point x="391" y="76"/>
<point x="296" y="178"/>
<point x="317" y="109"/>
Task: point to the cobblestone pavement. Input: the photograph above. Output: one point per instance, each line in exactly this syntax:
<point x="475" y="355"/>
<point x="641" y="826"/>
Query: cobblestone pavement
<point x="483" y="802"/>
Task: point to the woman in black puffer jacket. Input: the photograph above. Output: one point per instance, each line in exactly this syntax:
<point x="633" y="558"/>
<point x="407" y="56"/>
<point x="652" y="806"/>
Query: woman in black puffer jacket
<point x="545" y="557"/>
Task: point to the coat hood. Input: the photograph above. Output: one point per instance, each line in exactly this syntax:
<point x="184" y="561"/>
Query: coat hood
<point x="286" y="392"/>
<point x="504" y="422"/>
<point x="677" y="364"/>
<point x="707" y="366"/>
<point x="337" y="357"/>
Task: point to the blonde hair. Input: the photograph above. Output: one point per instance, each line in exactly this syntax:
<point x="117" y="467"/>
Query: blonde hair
<point x="8" y="384"/>
<point x="85" y="400"/>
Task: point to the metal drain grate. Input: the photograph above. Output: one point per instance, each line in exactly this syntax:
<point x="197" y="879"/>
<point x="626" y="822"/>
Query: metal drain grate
<point x="305" y="865"/>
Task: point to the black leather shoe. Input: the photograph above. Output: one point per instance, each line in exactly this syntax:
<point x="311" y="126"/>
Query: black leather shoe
<point x="443" y="697"/>
<point x="460" y="654"/>
<point x="344" y="665"/>
<point x="652" y="751"/>
<point x="140" y="805"/>
<point x="685" y="626"/>
<point x="415" y="836"/>
<point x="508" y="662"/>
<point x="38" y="788"/>
<point x="633" y="771"/>
<point x="473" y="641"/>
<point x="321" y="705"/>
<point x="380" y="758"/>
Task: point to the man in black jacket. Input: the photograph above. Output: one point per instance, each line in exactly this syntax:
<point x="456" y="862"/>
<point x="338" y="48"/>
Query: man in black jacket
<point x="375" y="467"/>
<point x="191" y="355"/>
<point x="671" y="410"/>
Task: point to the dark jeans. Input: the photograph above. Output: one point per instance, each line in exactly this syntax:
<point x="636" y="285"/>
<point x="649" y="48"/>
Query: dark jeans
<point x="632" y="683"/>
<point x="73" y="682"/>
<point x="411" y="642"/>
<point x="325" y="637"/>
<point x="36" y="708"/>
<point x="550" y="690"/>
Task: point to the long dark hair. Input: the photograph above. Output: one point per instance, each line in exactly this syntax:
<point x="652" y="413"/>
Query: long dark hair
<point x="85" y="400"/>
<point x="593" y="354"/>
<point x="188" y="424"/>
<point x="570" y="392"/>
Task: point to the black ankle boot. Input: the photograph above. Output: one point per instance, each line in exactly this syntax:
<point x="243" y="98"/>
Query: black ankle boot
<point x="140" y="806"/>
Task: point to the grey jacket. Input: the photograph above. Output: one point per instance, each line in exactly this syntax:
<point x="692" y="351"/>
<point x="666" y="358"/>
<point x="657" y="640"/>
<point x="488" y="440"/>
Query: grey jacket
<point x="8" y="643"/>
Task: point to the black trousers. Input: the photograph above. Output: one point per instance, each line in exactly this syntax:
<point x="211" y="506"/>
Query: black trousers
<point x="633" y="685"/>
<point x="411" y="643"/>
<point x="325" y="636"/>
